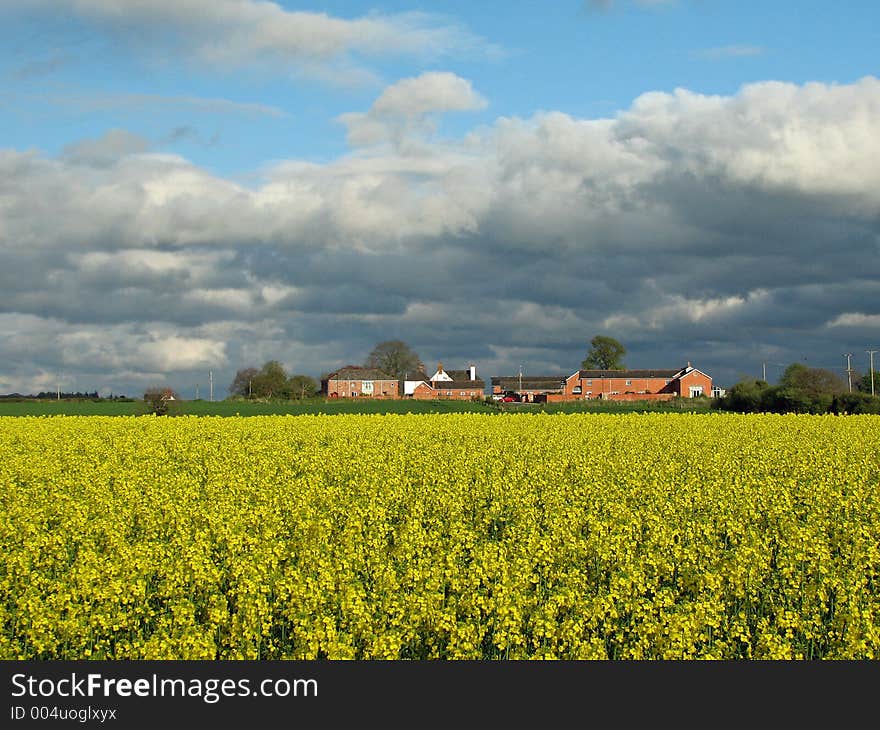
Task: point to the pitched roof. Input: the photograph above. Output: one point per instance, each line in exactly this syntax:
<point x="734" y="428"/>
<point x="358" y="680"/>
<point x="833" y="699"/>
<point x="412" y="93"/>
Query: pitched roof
<point x="529" y="382"/>
<point x="463" y="376"/>
<point x="628" y="373"/>
<point x="356" y="372"/>
<point x="456" y="384"/>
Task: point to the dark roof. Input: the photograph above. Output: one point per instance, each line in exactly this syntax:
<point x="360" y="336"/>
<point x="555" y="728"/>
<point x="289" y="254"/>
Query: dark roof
<point x="529" y="382"/>
<point x="356" y="372"/>
<point x="457" y="384"/>
<point x="628" y="373"/>
<point x="462" y="376"/>
<point x="420" y="375"/>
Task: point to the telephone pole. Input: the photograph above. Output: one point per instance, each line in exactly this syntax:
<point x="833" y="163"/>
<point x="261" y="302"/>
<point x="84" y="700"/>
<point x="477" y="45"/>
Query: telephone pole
<point x="848" y="355"/>
<point x="871" y="354"/>
<point x="764" y="371"/>
<point x="197" y="391"/>
<point x="211" y="385"/>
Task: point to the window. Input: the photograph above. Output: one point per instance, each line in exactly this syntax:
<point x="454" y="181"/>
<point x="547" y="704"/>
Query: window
<point x="462" y="393"/>
<point x="696" y="390"/>
<point x="576" y="390"/>
<point x="589" y="382"/>
<point x="629" y="382"/>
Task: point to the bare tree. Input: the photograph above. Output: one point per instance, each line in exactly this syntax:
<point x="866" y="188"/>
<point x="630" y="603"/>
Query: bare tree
<point x="395" y="358"/>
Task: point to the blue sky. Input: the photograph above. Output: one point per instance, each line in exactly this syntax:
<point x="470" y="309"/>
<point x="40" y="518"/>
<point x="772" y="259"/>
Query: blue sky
<point x="669" y="173"/>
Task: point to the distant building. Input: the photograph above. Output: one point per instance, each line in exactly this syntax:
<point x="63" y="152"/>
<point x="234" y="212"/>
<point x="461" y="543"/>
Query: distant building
<point x="451" y="384"/>
<point x="529" y="385"/>
<point x="686" y="382"/>
<point x="354" y="381"/>
<point x="412" y="380"/>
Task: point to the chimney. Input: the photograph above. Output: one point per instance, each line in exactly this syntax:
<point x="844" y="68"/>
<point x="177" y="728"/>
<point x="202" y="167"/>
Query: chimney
<point x="439" y="367"/>
<point x="473" y="369"/>
<point x="689" y="364"/>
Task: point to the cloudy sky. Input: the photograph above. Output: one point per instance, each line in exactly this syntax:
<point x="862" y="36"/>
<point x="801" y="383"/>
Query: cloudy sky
<point x="201" y="185"/>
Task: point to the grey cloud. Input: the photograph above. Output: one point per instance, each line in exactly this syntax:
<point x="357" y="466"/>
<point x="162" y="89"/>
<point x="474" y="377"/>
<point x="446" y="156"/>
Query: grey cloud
<point x="41" y="67"/>
<point x="106" y="149"/>
<point x="722" y="230"/>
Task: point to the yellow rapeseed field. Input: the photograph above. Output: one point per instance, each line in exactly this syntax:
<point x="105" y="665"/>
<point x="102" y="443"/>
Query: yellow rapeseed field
<point x="440" y="537"/>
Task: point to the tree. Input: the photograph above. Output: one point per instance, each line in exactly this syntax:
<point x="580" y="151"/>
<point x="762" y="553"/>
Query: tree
<point x="746" y="396"/>
<point x="807" y="390"/>
<point x="241" y="383"/>
<point x="605" y="354"/>
<point x="855" y="402"/>
<point x="395" y="358"/>
<point x="270" y="381"/>
<point x="302" y="386"/>
<point x="865" y="383"/>
<point x="158" y="400"/>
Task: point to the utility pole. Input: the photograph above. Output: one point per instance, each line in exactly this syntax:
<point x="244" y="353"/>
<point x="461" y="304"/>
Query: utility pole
<point x="871" y="354"/>
<point x="211" y="384"/>
<point x="250" y="381"/>
<point x="520" y="380"/>
<point x="848" y="355"/>
<point x="764" y="371"/>
<point x="197" y="391"/>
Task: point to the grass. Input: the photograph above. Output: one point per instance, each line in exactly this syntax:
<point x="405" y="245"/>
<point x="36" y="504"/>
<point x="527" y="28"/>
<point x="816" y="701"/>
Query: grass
<point x="680" y="405"/>
<point x="314" y="406"/>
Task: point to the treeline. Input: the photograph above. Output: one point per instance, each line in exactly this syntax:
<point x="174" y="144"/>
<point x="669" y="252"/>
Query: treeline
<point x="49" y="395"/>
<point x="802" y="389"/>
<point x="272" y="382"/>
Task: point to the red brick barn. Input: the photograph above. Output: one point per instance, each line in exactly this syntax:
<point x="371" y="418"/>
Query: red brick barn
<point x="357" y="382"/>
<point x="686" y="382"/>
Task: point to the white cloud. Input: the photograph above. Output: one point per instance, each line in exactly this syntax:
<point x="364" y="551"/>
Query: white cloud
<point x="211" y="105"/>
<point x="722" y="52"/>
<point x="173" y="353"/>
<point x="855" y="319"/>
<point x="407" y="108"/>
<point x="232" y="33"/>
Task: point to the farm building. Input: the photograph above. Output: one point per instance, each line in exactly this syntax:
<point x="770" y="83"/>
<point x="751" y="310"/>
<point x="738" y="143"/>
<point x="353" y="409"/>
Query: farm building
<point x="686" y="382"/>
<point x="354" y="381"/>
<point x="531" y="387"/>
<point x="451" y="384"/>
